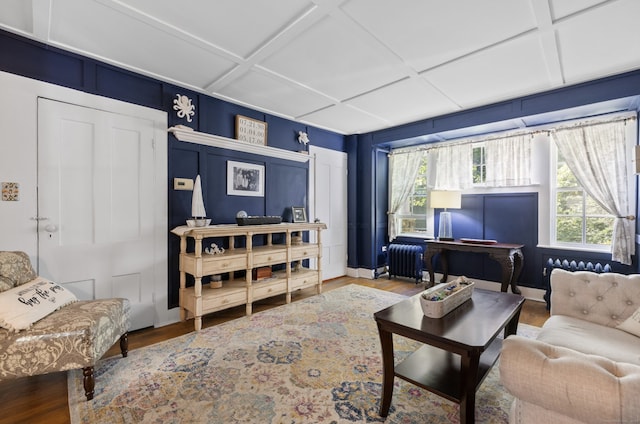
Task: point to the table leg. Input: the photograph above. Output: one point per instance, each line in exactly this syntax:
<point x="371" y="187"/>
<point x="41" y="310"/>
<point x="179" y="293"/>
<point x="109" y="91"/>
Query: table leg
<point x="468" y="381"/>
<point x="518" y="263"/>
<point x="386" y="340"/>
<point x="506" y="264"/>
<point x="428" y="259"/>
<point x="444" y="260"/>
<point x="512" y="325"/>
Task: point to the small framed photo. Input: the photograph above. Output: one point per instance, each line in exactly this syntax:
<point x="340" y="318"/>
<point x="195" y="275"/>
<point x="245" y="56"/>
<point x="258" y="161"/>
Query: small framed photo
<point x="245" y="179"/>
<point x="251" y="130"/>
<point x="298" y="214"/>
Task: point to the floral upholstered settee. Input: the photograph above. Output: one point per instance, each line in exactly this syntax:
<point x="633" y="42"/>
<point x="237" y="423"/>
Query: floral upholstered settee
<point x="76" y="335"/>
<point x="584" y="366"/>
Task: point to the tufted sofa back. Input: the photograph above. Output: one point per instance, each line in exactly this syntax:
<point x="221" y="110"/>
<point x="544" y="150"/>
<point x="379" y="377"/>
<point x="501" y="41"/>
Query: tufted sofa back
<point x="605" y="299"/>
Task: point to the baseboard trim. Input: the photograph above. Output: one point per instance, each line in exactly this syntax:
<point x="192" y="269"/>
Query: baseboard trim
<point x="528" y="292"/>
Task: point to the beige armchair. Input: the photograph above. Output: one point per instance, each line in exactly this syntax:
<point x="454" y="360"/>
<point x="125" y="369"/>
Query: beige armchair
<point x="75" y="336"/>
<point x="584" y="365"/>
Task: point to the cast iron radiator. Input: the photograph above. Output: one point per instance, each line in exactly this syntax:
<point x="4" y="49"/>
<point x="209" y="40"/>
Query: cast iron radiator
<point x="569" y="266"/>
<point x="405" y="260"/>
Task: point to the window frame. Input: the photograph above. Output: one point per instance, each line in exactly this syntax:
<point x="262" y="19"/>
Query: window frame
<point x="428" y="216"/>
<point x="584" y="216"/>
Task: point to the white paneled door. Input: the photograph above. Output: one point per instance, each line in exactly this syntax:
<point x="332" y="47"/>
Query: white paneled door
<point x="95" y="204"/>
<point x="328" y="203"/>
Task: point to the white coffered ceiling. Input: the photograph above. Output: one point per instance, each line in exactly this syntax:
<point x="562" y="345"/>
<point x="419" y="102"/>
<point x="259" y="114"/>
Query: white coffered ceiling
<point x="350" y="66"/>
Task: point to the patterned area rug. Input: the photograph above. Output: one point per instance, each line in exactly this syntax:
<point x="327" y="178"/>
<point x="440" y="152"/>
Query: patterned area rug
<point x="317" y="360"/>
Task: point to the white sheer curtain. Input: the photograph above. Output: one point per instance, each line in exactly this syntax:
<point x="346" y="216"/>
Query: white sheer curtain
<point x="450" y="167"/>
<point x="403" y="169"/>
<point x="508" y="161"/>
<point x="597" y="155"/>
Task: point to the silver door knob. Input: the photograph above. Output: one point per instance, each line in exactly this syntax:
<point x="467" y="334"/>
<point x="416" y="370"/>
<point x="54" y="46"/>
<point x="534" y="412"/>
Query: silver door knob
<point x="51" y="228"/>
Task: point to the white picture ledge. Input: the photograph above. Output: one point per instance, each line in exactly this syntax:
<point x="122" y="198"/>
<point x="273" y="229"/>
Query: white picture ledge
<point x="190" y="136"/>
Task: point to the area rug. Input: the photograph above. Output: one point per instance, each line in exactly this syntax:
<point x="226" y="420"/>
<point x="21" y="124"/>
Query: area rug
<point x="316" y="360"/>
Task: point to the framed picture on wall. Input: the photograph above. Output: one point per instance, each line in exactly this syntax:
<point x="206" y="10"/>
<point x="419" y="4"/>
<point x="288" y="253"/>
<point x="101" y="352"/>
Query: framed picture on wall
<point x="251" y="130"/>
<point x="298" y="214"/>
<point x="245" y="179"/>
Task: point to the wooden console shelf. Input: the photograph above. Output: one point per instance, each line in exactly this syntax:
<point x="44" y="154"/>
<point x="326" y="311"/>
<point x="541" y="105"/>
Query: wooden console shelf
<point x="199" y="300"/>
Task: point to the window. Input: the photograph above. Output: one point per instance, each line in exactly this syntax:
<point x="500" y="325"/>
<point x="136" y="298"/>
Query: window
<point x="479" y="164"/>
<point x="579" y="220"/>
<point x="412" y="217"/>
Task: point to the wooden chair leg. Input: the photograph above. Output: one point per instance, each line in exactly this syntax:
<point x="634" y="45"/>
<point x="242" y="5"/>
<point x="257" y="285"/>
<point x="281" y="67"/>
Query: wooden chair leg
<point x="124" y="344"/>
<point x="89" y="382"/>
<point x="89" y="379"/>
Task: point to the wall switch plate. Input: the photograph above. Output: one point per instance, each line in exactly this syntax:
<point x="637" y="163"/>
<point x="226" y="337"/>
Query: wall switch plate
<point x="183" y="184"/>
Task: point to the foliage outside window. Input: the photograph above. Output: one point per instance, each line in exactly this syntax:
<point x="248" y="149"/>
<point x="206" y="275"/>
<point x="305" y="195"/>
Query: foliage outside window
<point x="479" y="164"/>
<point x="579" y="219"/>
<point x="413" y="214"/>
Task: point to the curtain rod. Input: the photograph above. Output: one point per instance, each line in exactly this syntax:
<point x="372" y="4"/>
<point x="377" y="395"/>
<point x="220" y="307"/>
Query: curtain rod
<point x="534" y="130"/>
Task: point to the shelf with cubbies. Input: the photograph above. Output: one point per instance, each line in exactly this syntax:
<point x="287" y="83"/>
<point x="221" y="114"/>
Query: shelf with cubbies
<point x="288" y="252"/>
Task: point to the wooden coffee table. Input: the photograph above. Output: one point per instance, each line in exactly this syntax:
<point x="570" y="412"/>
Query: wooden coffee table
<point x="460" y="348"/>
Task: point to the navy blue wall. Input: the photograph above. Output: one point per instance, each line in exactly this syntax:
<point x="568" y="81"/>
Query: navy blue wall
<point x="286" y="182"/>
<point x="507" y="218"/>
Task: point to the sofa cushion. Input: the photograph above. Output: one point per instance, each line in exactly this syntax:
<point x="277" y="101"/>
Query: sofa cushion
<point x="23" y="305"/>
<point x="15" y="269"/>
<point x="590" y="338"/>
<point x="632" y="324"/>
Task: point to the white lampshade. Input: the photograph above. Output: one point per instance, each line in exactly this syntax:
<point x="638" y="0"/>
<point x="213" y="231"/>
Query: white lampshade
<point x="447" y="199"/>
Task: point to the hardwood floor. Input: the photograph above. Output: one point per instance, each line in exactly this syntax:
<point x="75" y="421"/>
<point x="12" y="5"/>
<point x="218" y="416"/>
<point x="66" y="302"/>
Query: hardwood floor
<point x="43" y="399"/>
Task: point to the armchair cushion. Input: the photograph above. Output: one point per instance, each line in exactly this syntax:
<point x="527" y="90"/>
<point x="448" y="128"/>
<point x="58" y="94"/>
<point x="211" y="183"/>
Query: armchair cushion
<point x="586" y="388"/>
<point x="590" y="338"/>
<point x="632" y="324"/>
<point x="605" y="299"/>
<point x="73" y="337"/>
<point x="23" y="305"/>
<point x="15" y="269"/>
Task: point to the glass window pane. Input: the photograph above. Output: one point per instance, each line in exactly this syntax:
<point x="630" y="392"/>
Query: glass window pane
<point x="477" y="174"/>
<point x="418" y="205"/>
<point x="478" y="155"/>
<point x="593" y="208"/>
<point x="564" y="176"/>
<point x="569" y="202"/>
<point x="413" y="225"/>
<point x="599" y="230"/>
<point x="569" y="230"/>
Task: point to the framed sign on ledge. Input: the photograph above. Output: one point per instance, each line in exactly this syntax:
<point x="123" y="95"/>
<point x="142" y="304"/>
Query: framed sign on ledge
<point x="251" y="130"/>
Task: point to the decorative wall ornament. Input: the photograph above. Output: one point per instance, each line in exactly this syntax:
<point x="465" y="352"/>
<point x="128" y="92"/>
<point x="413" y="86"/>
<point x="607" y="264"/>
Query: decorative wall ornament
<point x="184" y="106"/>
<point x="303" y="138"/>
<point x="10" y="192"/>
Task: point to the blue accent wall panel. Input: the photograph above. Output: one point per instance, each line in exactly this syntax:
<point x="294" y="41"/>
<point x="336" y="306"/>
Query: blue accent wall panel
<point x="284" y="194"/>
<point x="328" y="139"/>
<point x="507" y="218"/>
<point x="365" y="205"/>
<point x="352" y="202"/>
<point x="283" y="133"/>
<point x="381" y="168"/>
<point x="129" y="87"/>
<point x="40" y="62"/>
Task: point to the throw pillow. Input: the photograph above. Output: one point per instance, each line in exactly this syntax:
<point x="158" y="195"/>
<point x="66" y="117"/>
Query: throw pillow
<point x="631" y="324"/>
<point x="24" y="305"/>
<point x="15" y="269"/>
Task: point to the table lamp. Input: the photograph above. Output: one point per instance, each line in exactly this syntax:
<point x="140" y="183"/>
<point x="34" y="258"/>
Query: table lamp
<point x="445" y="199"/>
